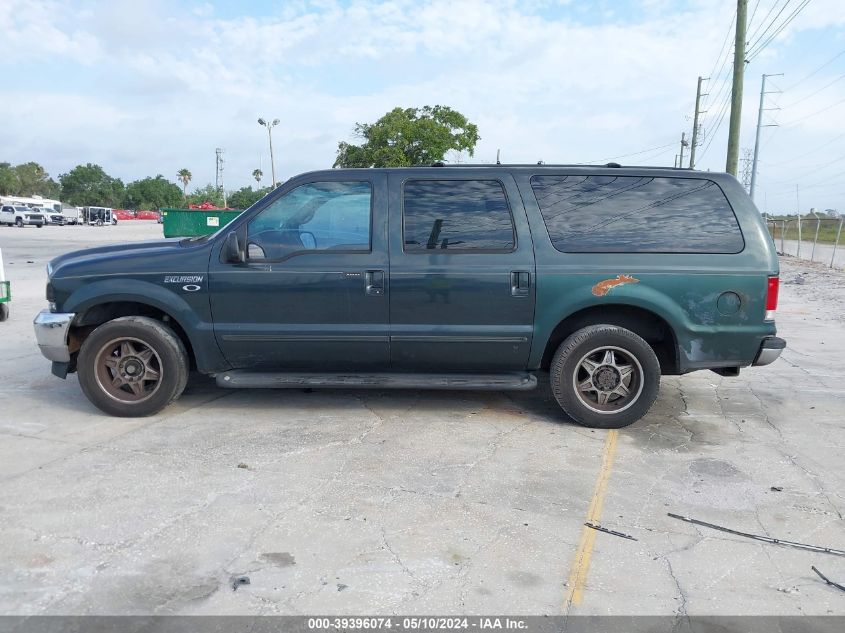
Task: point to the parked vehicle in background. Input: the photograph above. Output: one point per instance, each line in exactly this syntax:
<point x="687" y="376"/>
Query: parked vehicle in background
<point x="52" y="217"/>
<point x="148" y="215"/>
<point x="32" y="201"/>
<point x="468" y="277"/>
<point x="19" y="215"/>
<point x="98" y="216"/>
<point x="71" y="214"/>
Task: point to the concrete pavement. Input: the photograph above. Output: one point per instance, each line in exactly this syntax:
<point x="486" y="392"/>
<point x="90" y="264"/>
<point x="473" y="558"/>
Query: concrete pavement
<point x="420" y="502"/>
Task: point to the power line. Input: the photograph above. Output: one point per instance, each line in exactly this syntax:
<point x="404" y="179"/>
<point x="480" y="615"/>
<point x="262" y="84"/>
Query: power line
<point x="825" y="65"/>
<point x="752" y="54"/>
<point x="813" y="94"/>
<point x="645" y="151"/>
<point x="774" y="19"/>
<point x="817" y="112"/>
<point x="721" y="116"/>
<point x="753" y="13"/>
<point x="812" y="151"/>
<point x="724" y="55"/>
<point x="765" y="17"/>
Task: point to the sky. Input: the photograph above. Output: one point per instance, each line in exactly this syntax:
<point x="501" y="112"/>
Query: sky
<point x="146" y="87"/>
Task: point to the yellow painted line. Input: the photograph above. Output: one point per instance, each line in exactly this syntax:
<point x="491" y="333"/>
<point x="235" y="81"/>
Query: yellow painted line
<point x="581" y="562"/>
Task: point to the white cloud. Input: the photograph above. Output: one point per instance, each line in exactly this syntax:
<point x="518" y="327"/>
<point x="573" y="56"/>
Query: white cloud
<point x="160" y="85"/>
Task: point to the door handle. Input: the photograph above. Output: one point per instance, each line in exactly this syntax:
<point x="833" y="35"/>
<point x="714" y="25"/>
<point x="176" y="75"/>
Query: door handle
<point x="374" y="282"/>
<point x="520" y="283"/>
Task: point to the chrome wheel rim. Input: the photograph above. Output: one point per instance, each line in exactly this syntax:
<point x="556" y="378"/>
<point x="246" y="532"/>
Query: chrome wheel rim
<point x="128" y="370"/>
<point x="608" y="380"/>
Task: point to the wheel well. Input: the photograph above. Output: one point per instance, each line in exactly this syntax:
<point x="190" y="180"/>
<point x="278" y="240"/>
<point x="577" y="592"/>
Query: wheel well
<point x="87" y="321"/>
<point x="651" y="327"/>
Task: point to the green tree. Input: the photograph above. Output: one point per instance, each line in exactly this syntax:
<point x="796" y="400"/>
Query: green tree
<point x="209" y="193"/>
<point x="184" y="176"/>
<point x="33" y="179"/>
<point x="152" y="193"/>
<point x="413" y="136"/>
<point x="8" y="180"/>
<point x="89" y="185"/>
<point x="245" y="197"/>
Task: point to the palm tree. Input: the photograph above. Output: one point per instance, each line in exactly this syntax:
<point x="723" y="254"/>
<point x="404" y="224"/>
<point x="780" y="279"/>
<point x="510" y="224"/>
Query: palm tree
<point x="257" y="174"/>
<point x="185" y="176"/>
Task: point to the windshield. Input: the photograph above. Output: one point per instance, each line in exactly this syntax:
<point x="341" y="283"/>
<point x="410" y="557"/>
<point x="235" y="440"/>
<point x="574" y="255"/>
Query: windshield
<point x="22" y="209"/>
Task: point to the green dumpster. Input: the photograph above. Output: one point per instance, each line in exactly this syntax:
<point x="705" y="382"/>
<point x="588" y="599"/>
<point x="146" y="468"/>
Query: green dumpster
<point x="193" y="222"/>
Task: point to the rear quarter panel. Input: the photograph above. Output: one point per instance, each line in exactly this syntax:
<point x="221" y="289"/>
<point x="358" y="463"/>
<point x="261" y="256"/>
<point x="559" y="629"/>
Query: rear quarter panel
<point x="681" y="288"/>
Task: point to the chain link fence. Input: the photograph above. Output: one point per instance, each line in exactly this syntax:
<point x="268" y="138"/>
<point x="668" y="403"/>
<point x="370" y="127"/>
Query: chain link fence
<point x="813" y="239"/>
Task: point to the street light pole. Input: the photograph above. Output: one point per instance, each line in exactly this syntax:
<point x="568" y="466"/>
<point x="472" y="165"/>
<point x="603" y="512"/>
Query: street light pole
<point x="269" y="125"/>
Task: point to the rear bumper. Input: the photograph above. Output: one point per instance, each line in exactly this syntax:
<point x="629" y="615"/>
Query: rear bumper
<point x="51" y="332"/>
<point x="770" y="350"/>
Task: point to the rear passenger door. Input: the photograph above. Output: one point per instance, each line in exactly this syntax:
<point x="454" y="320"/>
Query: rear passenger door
<point x="461" y="271"/>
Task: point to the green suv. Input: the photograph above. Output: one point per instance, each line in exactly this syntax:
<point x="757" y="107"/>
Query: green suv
<point x="470" y="277"/>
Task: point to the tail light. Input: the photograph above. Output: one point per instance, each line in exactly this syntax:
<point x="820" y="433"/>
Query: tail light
<point x="772" y="297"/>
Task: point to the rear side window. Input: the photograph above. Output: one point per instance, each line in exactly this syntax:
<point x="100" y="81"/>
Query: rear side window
<point x="456" y="215"/>
<point x="636" y="214"/>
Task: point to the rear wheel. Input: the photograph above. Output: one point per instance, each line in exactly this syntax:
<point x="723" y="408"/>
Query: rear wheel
<point x="132" y="366"/>
<point x="604" y="376"/>
<point x="4" y="311"/>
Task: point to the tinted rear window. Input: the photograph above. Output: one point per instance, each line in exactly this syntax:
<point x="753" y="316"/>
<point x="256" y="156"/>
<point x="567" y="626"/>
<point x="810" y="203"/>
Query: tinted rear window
<point x="636" y="214"/>
<point x="457" y="215"/>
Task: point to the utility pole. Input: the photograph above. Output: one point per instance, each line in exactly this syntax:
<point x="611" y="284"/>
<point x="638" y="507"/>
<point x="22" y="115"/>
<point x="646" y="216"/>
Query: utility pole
<point x="757" y="137"/>
<point x="684" y="143"/>
<point x="736" y="88"/>
<point x="694" y="141"/>
<point x="218" y="179"/>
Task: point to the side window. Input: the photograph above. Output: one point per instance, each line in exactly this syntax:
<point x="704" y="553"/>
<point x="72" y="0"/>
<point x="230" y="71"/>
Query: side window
<point x="456" y="215"/>
<point x="318" y="216"/>
<point x="636" y="214"/>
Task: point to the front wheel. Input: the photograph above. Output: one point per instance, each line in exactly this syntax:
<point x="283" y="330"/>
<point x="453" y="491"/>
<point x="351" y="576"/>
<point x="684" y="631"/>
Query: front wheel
<point x="132" y="366"/>
<point x="19" y="223"/>
<point x="604" y="376"/>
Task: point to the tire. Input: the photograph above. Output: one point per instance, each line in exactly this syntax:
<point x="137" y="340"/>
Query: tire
<point x="19" y="223"/>
<point x="583" y="360"/>
<point x="4" y="312"/>
<point x="126" y="348"/>
<point x="39" y="225"/>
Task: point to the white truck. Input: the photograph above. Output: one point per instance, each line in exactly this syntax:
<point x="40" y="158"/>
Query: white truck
<point x="20" y="215"/>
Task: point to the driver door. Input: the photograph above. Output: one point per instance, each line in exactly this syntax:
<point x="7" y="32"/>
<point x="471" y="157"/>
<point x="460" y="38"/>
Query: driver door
<point x="312" y="294"/>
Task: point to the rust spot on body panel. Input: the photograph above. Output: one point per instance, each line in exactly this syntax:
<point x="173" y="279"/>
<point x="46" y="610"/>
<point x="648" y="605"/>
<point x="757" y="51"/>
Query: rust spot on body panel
<point x="603" y="287"/>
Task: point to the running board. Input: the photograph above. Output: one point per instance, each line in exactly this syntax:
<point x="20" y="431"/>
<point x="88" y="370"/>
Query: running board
<point x="516" y="381"/>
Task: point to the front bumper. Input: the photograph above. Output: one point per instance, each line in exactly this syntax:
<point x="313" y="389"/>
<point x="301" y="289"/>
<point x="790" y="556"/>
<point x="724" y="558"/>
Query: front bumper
<point x="770" y="350"/>
<point x="32" y="221"/>
<point x="51" y="332"/>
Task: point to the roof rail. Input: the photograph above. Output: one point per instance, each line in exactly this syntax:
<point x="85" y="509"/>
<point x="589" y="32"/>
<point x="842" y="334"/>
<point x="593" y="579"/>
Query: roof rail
<point x="441" y="163"/>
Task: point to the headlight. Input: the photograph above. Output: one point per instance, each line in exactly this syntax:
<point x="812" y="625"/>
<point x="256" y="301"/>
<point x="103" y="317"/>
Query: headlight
<point x="49" y="293"/>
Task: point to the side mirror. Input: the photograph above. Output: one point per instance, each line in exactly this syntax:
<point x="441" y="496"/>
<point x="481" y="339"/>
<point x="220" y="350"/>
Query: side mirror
<point x="232" y="253"/>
